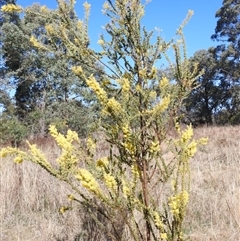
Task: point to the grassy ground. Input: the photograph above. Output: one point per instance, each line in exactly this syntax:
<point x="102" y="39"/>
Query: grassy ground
<point x="30" y="198"/>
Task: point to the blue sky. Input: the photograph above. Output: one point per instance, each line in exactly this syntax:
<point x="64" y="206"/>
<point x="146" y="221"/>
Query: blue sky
<point x="164" y="14"/>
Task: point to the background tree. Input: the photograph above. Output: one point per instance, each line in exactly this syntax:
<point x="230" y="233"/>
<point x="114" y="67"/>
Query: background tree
<point x="11" y="129"/>
<point x="46" y="90"/>
<point x="13" y="17"/>
<point x="212" y="94"/>
<point x="227" y="31"/>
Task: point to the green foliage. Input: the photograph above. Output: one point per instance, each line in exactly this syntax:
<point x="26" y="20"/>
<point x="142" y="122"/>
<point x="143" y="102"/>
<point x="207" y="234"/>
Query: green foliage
<point x="12" y="130"/>
<point x="140" y="185"/>
<point x="227" y="32"/>
<point x="216" y="100"/>
<point x="43" y="81"/>
<point x="213" y="91"/>
<point x="227" y="25"/>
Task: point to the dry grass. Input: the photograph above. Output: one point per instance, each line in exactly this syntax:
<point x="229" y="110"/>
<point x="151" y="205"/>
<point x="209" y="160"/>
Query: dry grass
<point x="29" y="203"/>
<point x="30" y="198"/>
<point x="214" y="210"/>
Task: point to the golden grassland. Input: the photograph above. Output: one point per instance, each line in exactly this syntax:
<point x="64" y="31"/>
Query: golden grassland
<point x="30" y="198"/>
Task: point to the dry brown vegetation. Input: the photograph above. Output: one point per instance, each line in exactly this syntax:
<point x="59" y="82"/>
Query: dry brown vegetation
<point x="30" y="198"/>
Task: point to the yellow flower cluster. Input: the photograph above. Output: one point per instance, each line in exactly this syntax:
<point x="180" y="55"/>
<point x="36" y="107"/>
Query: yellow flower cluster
<point x="36" y="152"/>
<point x="152" y="95"/>
<point x="68" y="158"/>
<point x="34" y="42"/>
<point x="178" y="203"/>
<point x="102" y="163"/>
<point x="192" y="149"/>
<point x="35" y="156"/>
<point x="49" y="28"/>
<point x="72" y="136"/>
<point x="190" y="12"/>
<point x="157" y="220"/>
<point x="88" y="181"/>
<point x="106" y="6"/>
<point x="163" y="236"/>
<point x="80" y="24"/>
<point x="177" y="127"/>
<point x="143" y="73"/>
<point x="77" y="70"/>
<point x="126" y="131"/>
<point x="62" y="141"/>
<point x="124" y="82"/>
<point x="18" y="159"/>
<point x="63" y="209"/>
<point x="100" y="42"/>
<point x="44" y="9"/>
<point x="141" y="11"/>
<point x="11" y="8"/>
<point x="126" y="189"/>
<point x="135" y="170"/>
<point x="39" y="157"/>
<point x="77" y="42"/>
<point x="113" y="106"/>
<point x="187" y="135"/>
<point x="87" y="6"/>
<point x="203" y="141"/>
<point x="164" y="83"/>
<point x="110" y="182"/>
<point x="162" y="106"/>
<point x="129" y="146"/>
<point x="154" y="147"/>
<point x="71" y="197"/>
<point x="138" y="88"/>
<point x="91" y="145"/>
<point x="67" y="161"/>
<point x="153" y="74"/>
<point x="73" y="2"/>
<point x="189" y="147"/>
<point x="159" y="224"/>
<point x="8" y="151"/>
<point x="94" y="85"/>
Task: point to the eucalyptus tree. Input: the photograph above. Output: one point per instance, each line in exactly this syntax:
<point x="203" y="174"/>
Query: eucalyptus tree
<point x="227" y="33"/>
<point x="10" y="17"/>
<point x="212" y="93"/>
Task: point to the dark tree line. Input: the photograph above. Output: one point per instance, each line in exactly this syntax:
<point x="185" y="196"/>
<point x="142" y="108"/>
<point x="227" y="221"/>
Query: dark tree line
<point x="217" y="100"/>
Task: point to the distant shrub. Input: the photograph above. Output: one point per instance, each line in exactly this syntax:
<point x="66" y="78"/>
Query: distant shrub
<point x="12" y="131"/>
